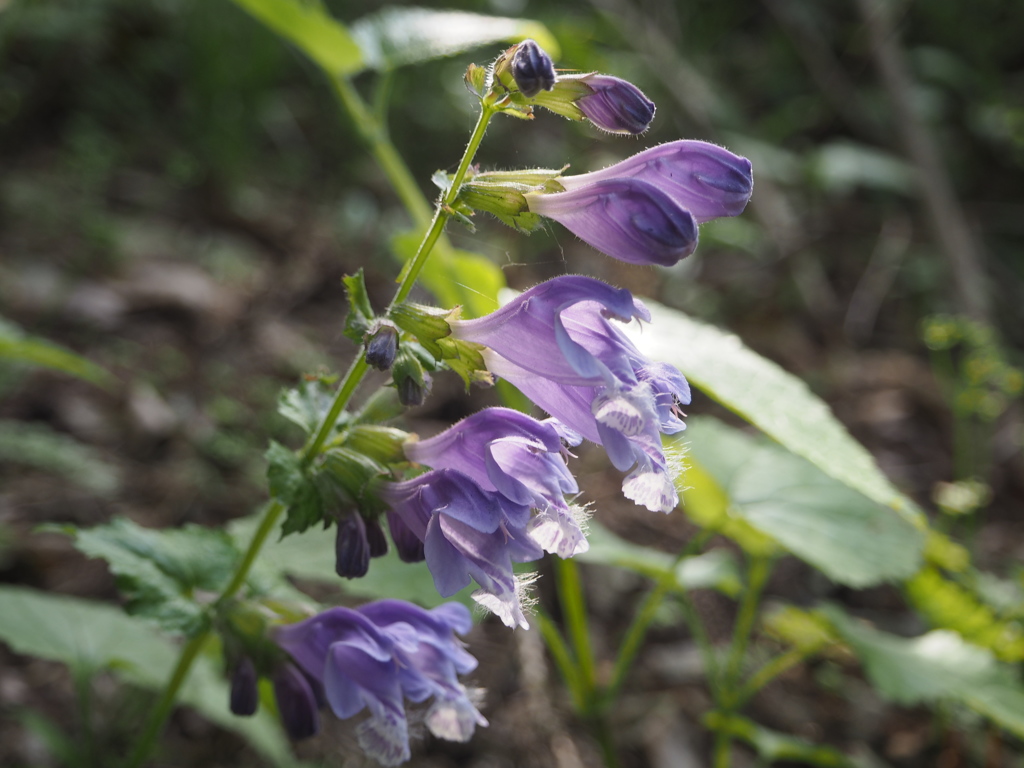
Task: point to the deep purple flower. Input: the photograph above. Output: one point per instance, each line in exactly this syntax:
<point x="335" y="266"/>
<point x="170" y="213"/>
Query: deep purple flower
<point x="556" y="344"/>
<point x="627" y="219"/>
<point x="510" y="453"/>
<point x="296" y="702"/>
<point x="616" y="106"/>
<point x="376" y="656"/>
<point x="467" y="533"/>
<point x="532" y="69"/>
<point x="351" y="547"/>
<point x="245" y="696"/>
<point x="645" y="209"/>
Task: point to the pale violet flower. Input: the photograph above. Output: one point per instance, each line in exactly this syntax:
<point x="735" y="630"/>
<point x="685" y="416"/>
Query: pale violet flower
<point x="555" y="342"/>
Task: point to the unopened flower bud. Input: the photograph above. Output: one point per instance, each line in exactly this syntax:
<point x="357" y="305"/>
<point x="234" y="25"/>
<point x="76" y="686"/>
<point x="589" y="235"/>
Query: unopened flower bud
<point x="616" y="106"/>
<point x="375" y="537"/>
<point x="351" y="548"/>
<point x="408" y="546"/>
<point x="411" y="381"/>
<point x="245" y="695"/>
<point x="382" y="345"/>
<point x="297" y="702"/>
<point x="532" y="69"/>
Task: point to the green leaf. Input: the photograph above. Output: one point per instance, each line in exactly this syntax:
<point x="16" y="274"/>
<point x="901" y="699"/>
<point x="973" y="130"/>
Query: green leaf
<point x="850" y="538"/>
<point x="455" y="277"/>
<point x="772" y="746"/>
<point x="307" y="404"/>
<point x="311" y="556"/>
<point x="307" y="25"/>
<point x="934" y="667"/>
<point x="948" y="605"/>
<point x="778" y="403"/>
<point x="290" y="484"/>
<point x="360" y="314"/>
<point x="90" y="637"/>
<point x="395" y="37"/>
<point x="712" y="570"/>
<point x="20" y="347"/>
<point x="37" y="445"/>
<point x="160" y="571"/>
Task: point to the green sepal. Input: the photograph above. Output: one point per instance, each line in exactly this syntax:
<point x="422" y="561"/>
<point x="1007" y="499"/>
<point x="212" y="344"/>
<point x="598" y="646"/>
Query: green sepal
<point x="562" y="98"/>
<point x="537" y="179"/>
<point x="465" y="359"/>
<point x="427" y="324"/>
<point x="350" y="472"/>
<point x="360" y="312"/>
<point x="504" y="201"/>
<point x="381" y="406"/>
<point x="411" y="382"/>
<point x="379" y="443"/>
<point x="307" y="404"/>
<point x="291" y="485"/>
<point x="478" y="80"/>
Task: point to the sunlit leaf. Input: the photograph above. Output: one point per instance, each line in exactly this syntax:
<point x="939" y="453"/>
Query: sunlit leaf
<point x="778" y="403"/>
<point x="394" y="37"/>
<point x="844" y="534"/>
<point x="307" y="25"/>
<point x="92" y="637"/>
<point x="937" y="666"/>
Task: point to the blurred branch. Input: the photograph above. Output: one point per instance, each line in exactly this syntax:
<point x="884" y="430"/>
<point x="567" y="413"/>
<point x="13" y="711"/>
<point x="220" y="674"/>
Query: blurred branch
<point x="878" y="277"/>
<point x="946" y="215"/>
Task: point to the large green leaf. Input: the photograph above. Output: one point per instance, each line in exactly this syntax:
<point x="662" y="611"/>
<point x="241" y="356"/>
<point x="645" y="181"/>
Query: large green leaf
<point x="310" y="555"/>
<point x="778" y="403"/>
<point x="843" y="533"/>
<point x="161" y="570"/>
<point x="394" y="37"/>
<point x="936" y="666"/>
<point x="20" y="347"/>
<point x="92" y="637"/>
<point x="308" y="25"/>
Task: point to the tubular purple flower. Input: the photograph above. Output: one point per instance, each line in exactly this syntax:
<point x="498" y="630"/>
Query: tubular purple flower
<point x="616" y="106"/>
<point x="375" y="656"/>
<point x="297" y="702"/>
<point x="507" y="452"/>
<point x="707" y="180"/>
<point x="627" y="219"/>
<point x="468" y="534"/>
<point x="556" y="344"/>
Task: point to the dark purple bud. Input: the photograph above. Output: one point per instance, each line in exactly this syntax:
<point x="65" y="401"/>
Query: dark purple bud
<point x="245" y="695"/>
<point x="351" y="548"/>
<point x="532" y="69"/>
<point x="410" y="548"/>
<point x="296" y="701"/>
<point x="382" y="346"/>
<point x="376" y="538"/>
<point x="413" y="390"/>
<point x="616" y="105"/>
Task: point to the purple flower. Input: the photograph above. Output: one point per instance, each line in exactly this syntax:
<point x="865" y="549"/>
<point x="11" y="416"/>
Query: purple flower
<point x="556" y="344"/>
<point x="532" y="69"/>
<point x="627" y="219"/>
<point x="297" y="701"/>
<point x="467" y="533"/>
<point x="507" y="452"/>
<point x="645" y="209"/>
<point x="376" y="656"/>
<point x="707" y="180"/>
<point x="615" y="105"/>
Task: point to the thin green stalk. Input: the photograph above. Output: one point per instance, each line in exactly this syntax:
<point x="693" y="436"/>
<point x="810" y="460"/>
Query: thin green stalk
<point x="144" y="746"/>
<point x="563" y="660"/>
<point x="757" y="576"/>
<point x="570" y="595"/>
<point x="642" y="621"/>
<point x="707" y="649"/>
<point x="768" y="672"/>
<point x="404" y="184"/>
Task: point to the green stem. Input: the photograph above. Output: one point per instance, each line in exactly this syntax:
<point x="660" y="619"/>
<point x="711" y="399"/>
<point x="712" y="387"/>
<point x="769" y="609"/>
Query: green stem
<point x="144" y="746"/>
<point x="563" y="660"/>
<point x="757" y="576"/>
<point x="642" y="621"/>
<point x="400" y="177"/>
<point x="570" y="595"/>
<point x="769" y="671"/>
